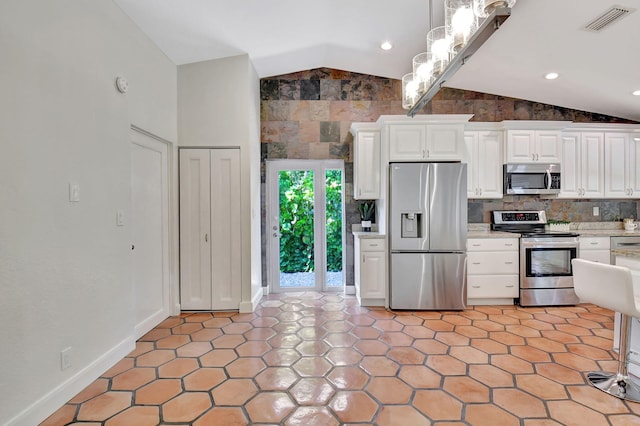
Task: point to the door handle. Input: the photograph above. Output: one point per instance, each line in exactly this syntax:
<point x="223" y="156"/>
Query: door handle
<point x="206" y="238"/>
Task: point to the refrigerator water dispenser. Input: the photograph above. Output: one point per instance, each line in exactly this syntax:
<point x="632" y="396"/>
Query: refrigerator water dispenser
<point x="410" y="227"/>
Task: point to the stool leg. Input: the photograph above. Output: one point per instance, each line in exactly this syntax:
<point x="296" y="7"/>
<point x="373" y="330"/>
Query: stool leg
<point x="619" y="384"/>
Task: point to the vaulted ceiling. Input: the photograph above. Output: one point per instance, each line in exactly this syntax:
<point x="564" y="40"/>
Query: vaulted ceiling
<point x="598" y="70"/>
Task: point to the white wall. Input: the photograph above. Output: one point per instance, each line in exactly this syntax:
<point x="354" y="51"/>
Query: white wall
<point x="219" y="106"/>
<point x="65" y="275"/>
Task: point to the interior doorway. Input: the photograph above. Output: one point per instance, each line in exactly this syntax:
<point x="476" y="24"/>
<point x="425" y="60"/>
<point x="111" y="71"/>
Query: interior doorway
<point x="150" y="191"/>
<point x="305" y="225"/>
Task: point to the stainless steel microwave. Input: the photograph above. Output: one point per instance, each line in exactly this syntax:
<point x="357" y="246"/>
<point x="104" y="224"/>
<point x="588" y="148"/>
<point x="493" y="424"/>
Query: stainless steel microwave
<point x="532" y="178"/>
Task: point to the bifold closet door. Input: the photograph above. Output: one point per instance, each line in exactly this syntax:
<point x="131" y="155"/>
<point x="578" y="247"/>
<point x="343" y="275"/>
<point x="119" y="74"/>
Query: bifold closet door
<point x="225" y="229"/>
<point x="210" y="248"/>
<point x="195" y="232"/>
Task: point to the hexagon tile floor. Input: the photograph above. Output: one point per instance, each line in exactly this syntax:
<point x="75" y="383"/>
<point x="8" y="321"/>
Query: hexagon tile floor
<point x="320" y="359"/>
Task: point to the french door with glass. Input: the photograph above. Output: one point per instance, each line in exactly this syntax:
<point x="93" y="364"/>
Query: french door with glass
<point x="305" y="225"/>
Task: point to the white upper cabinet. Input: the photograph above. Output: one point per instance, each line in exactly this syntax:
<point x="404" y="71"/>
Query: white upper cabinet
<point x="582" y="165"/>
<point x="407" y="142"/>
<point x="622" y="159"/>
<point x="366" y="161"/>
<point x="445" y="142"/>
<point x="484" y="164"/>
<point x="533" y="146"/>
<point x="534" y="141"/>
<point x="425" y="137"/>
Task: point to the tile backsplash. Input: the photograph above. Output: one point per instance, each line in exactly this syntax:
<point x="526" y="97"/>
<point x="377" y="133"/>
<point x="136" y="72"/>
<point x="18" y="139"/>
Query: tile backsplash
<point x="557" y="209"/>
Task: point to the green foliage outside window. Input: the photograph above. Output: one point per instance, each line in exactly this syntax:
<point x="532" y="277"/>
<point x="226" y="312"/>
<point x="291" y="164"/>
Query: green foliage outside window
<point x="296" y="221"/>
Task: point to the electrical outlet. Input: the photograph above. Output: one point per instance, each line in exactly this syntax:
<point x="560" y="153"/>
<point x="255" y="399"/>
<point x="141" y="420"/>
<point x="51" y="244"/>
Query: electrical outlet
<point x="65" y="358"/>
<point x="596" y="211"/>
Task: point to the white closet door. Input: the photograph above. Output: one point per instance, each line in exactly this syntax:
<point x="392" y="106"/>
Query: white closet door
<point x="195" y="229"/>
<point x="225" y="229"/>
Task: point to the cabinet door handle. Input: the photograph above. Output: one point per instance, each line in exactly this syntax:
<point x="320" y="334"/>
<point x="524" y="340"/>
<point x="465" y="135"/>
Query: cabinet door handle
<point x="475" y="263"/>
<point x="508" y="244"/>
<point x="508" y="263"/>
<point x="359" y="191"/>
<point x="475" y="286"/>
<point x="374" y="245"/>
<point x="510" y="286"/>
<point x="475" y="245"/>
<point x="593" y="243"/>
<point x="206" y="238"/>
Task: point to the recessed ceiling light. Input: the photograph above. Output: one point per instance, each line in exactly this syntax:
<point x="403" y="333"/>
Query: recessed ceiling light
<point x="386" y="46"/>
<point x="636" y="93"/>
<point x="551" y="76"/>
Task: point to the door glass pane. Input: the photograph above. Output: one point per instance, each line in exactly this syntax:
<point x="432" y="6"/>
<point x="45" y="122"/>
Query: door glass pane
<point x="333" y="185"/>
<point x="296" y="194"/>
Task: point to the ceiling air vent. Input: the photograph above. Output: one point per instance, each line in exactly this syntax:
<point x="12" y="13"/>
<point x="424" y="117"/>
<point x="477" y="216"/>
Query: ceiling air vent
<point x="613" y="14"/>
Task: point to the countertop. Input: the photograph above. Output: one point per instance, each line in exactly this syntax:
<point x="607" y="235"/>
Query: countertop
<point x="490" y="234"/>
<point x="371" y="234"/>
<point x="606" y="233"/>
<point x="585" y="229"/>
<point x="483" y="230"/>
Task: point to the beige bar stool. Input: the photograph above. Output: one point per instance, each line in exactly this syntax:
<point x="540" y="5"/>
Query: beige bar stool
<point x="611" y="287"/>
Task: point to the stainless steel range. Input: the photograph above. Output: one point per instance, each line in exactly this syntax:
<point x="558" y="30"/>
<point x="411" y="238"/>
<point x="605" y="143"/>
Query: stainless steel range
<point x="546" y="277"/>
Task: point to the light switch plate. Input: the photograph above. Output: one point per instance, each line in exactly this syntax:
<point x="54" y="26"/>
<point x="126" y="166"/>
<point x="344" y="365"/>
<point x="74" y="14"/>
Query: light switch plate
<point x="74" y="192"/>
<point x="120" y="218"/>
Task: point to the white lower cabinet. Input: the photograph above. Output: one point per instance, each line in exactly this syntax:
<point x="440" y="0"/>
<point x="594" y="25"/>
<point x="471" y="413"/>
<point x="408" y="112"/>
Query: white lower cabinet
<point x="370" y="270"/>
<point x="596" y="249"/>
<point x="492" y="271"/>
<point x="210" y="268"/>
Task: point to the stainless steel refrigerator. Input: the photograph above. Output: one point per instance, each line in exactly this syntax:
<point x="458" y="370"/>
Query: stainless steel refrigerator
<point x="428" y="233"/>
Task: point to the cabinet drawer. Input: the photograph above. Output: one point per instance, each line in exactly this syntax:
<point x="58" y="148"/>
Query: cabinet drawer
<point x="492" y="286"/>
<point x="372" y="244"/>
<point x="492" y="263"/>
<point x="595" y="243"/>
<point x="601" y="256"/>
<point x="492" y="244"/>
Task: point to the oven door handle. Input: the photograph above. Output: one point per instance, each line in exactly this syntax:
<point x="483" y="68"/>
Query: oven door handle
<point x="550" y="244"/>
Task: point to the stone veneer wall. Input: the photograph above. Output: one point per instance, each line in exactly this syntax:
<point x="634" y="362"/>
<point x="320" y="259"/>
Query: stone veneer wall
<point x="307" y="115"/>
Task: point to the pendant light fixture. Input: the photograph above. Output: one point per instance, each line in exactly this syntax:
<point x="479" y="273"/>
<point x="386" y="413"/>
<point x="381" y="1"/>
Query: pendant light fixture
<point x="468" y="24"/>
<point x="461" y="22"/>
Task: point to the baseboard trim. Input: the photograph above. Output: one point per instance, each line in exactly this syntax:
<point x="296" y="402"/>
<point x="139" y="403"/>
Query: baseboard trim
<point x="349" y="289"/>
<point x="150" y="322"/>
<point x="248" y="307"/>
<point x="58" y="396"/>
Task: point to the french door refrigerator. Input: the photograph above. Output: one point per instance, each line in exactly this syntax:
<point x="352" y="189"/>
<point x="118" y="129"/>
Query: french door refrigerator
<point x="428" y="234"/>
